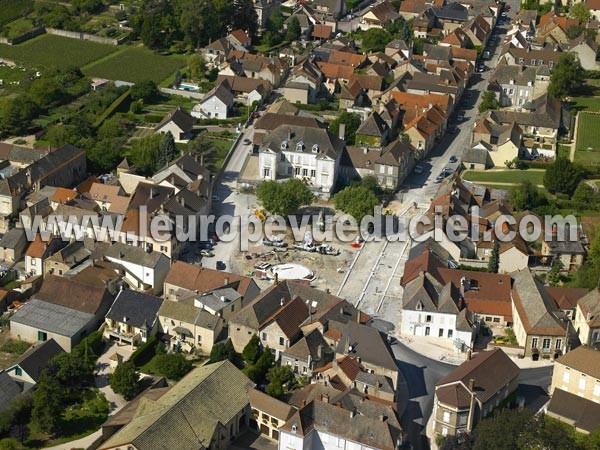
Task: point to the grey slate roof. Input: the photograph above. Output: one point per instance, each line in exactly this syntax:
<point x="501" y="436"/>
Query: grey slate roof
<point x="431" y="295"/>
<point x="373" y="126"/>
<point x="9" y="390"/>
<point x="186" y="311"/>
<point x="369" y="344"/>
<point x="452" y="11"/>
<point x="36" y="359"/>
<point x="179" y="117"/>
<point x="544" y="111"/>
<point x="52" y="318"/>
<point x="328" y="144"/>
<point x="521" y="75"/>
<point x="12" y="238"/>
<point x="187" y="416"/>
<point x="218" y="299"/>
<point x="134" y="255"/>
<point x="222" y="92"/>
<point x="534" y="305"/>
<point x="309" y="346"/>
<point x="138" y="308"/>
<point x="581" y="412"/>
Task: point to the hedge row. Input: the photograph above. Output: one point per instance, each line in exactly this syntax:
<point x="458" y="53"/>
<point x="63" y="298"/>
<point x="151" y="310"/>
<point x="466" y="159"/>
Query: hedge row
<point x="144" y="352"/>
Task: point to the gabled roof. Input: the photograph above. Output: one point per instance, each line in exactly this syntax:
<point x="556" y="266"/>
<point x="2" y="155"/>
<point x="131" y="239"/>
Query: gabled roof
<point x="180" y="117"/>
<point x="222" y="91"/>
<point x="304" y="139"/>
<point x="367" y="343"/>
<point x="566" y="298"/>
<point x="322" y="31"/>
<point x="270" y="405"/>
<point x="135" y="308"/>
<point x="534" y="306"/>
<point x="452" y="11"/>
<point x="36" y="359"/>
<point x="582" y="359"/>
<point x="590" y="307"/>
<point x="53" y="318"/>
<point x="581" y="412"/>
<point x="193" y="278"/>
<point x="134" y="255"/>
<point x="491" y="371"/>
<point x="73" y="294"/>
<point x="427" y="294"/>
<point x="9" y="390"/>
<point x="188" y="415"/>
<point x="373" y="126"/>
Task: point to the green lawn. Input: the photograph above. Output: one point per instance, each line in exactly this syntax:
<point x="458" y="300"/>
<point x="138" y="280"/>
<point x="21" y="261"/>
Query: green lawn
<point x="489" y="177"/>
<point x="48" y="51"/>
<point x="586" y="103"/>
<point x="135" y="64"/>
<point x="588" y="138"/>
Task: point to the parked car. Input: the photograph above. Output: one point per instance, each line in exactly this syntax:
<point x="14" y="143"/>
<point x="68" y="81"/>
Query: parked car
<point x="246" y="141"/>
<point x="452" y="159"/>
<point x="438" y="179"/>
<point x="221" y="265"/>
<point x="460" y="117"/>
<point x="215" y="198"/>
<point x="206" y="253"/>
<point x="500" y="22"/>
<point x="418" y="169"/>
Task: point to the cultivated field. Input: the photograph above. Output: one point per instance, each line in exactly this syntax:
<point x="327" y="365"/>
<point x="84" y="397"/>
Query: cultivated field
<point x="135" y="64"/>
<point x="55" y="51"/>
<point x="587" y="147"/>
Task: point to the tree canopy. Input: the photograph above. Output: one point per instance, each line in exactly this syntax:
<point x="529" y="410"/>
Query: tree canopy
<point x="580" y="12"/>
<point x="488" y="101"/>
<point x="567" y="76"/>
<point x="375" y="40"/>
<point x="562" y="176"/>
<point x="352" y="122"/>
<point x="125" y="380"/>
<point x="358" y="201"/>
<point x="526" y="196"/>
<point x="284" y="198"/>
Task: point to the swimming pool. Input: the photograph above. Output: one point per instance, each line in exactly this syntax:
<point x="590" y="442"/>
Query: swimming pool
<point x="188" y="87"/>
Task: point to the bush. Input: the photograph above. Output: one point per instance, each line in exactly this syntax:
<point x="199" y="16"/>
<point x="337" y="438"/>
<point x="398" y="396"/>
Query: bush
<point x="144" y="352"/>
<point x="125" y="380"/>
<point x="173" y="366"/>
<point x="15" y="347"/>
<point x="94" y="343"/>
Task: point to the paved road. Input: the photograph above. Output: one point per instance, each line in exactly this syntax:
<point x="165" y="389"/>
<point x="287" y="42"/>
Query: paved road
<point x="421" y="375"/>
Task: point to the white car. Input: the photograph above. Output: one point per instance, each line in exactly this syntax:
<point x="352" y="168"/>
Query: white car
<point x="460" y="116"/>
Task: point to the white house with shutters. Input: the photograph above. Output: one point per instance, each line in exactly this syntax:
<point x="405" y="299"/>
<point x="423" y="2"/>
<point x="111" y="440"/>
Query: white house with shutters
<point x="309" y="154"/>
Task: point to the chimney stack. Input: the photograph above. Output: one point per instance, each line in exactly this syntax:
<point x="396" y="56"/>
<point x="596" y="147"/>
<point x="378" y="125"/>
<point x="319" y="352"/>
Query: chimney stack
<point x="226" y="281"/>
<point x="471" y="384"/>
<point x="342" y="131"/>
<point x="326" y="398"/>
<point x="320" y="351"/>
<point x="469" y="355"/>
<point x="282" y="301"/>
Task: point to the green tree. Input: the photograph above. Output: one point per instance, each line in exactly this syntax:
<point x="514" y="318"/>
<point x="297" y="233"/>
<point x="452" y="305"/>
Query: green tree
<point x="574" y="31"/>
<point x="351" y="121"/>
<point x="562" y="176"/>
<point x="580" y="12"/>
<point x="125" y="380"/>
<point x="488" y="101"/>
<point x="144" y="90"/>
<point x="47" y="404"/>
<point x="371" y="183"/>
<point x="554" y="277"/>
<point x="284" y="198"/>
<point x="167" y="150"/>
<point x="46" y="91"/>
<point x="375" y="40"/>
<point x="200" y="145"/>
<point x="173" y="366"/>
<point x="144" y="153"/>
<point x="567" y="75"/>
<point x="585" y="197"/>
<point x="294" y="30"/>
<point x="357" y="201"/>
<point x="11" y="444"/>
<point x="258" y="372"/>
<point x="526" y="196"/>
<point x="197" y="66"/>
<point x="223" y="351"/>
<point x="245" y="17"/>
<point x="16" y="114"/>
<point x="494" y="262"/>
<point x="86" y="6"/>
<point x="280" y="379"/>
<point x="252" y="351"/>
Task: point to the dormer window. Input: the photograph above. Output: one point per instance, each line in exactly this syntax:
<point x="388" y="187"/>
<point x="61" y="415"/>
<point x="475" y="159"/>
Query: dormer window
<point x="300" y="146"/>
<point x="284" y="145"/>
<point x="533" y="62"/>
<point x="529" y="83"/>
<point x="511" y="81"/>
<point x="419" y="306"/>
<point x="315" y="148"/>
